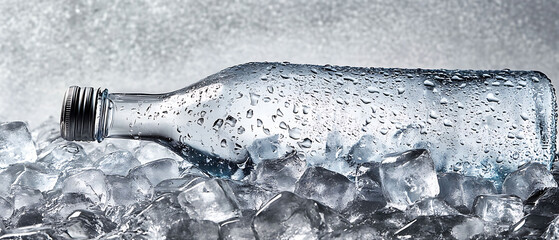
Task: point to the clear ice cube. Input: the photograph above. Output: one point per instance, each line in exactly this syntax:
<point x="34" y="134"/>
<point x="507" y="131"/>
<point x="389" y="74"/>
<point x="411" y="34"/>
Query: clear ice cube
<point x="279" y="174"/>
<point x="118" y="162"/>
<point x="250" y="197"/>
<point x="330" y="188"/>
<point x="92" y="183"/>
<point x="209" y="199"/>
<point x="26" y="197"/>
<point x="527" y="179"/>
<point x="157" y="171"/>
<point x="429" y="207"/>
<point x="546" y="203"/>
<point x="155" y="220"/>
<point x="59" y="205"/>
<point x="128" y="190"/>
<point x="408" y="177"/>
<point x="552" y="231"/>
<point x="6" y="209"/>
<point x="16" y="144"/>
<point x="36" y="178"/>
<point x="62" y="155"/>
<point x="367" y="182"/>
<point x="8" y="175"/>
<point x="240" y="228"/>
<point x="288" y="216"/>
<point x="83" y="224"/>
<point x="441" y="227"/>
<point x="193" y="229"/>
<point x="367" y="149"/>
<point x="499" y="208"/>
<point x="266" y="149"/>
<point x="459" y="191"/>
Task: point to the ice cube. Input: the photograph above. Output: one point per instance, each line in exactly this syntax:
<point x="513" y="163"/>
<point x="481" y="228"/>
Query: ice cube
<point x="6" y="209"/>
<point x="367" y="182"/>
<point x="546" y="203"/>
<point x="83" y="224"/>
<point x="527" y="179"/>
<point x="552" y="231"/>
<point x="266" y="149"/>
<point x="335" y="156"/>
<point x="34" y="232"/>
<point x="151" y="151"/>
<point x="117" y="163"/>
<point x="8" y="175"/>
<point x="193" y="229"/>
<point x="239" y="228"/>
<point x="59" y="205"/>
<point x="288" y="216"/>
<point x="531" y="227"/>
<point x="27" y="218"/>
<point x="36" y="178"/>
<point x="46" y="133"/>
<point x="362" y="231"/>
<point x="279" y="174"/>
<point x="429" y="207"/>
<point x="250" y="197"/>
<point x="62" y="155"/>
<point x="157" y="171"/>
<point x="16" y="144"/>
<point x="499" y="208"/>
<point x="459" y="191"/>
<point x="332" y="189"/>
<point x="408" y="177"/>
<point x="209" y="199"/>
<point x="26" y="197"/>
<point x="441" y="227"/>
<point x="155" y="220"/>
<point x="128" y="190"/>
<point x="367" y="149"/>
<point x="360" y="210"/>
<point x="92" y="183"/>
<point x="174" y="184"/>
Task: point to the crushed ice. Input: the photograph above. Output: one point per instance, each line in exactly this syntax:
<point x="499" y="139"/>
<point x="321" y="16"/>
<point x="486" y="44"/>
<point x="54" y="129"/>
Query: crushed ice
<point x="118" y="189"/>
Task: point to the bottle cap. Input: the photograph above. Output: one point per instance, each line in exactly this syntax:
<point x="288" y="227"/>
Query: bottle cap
<point x="77" y="120"/>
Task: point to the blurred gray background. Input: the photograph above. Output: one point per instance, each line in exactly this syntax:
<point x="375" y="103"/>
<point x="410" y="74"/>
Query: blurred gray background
<point x="158" y="46"/>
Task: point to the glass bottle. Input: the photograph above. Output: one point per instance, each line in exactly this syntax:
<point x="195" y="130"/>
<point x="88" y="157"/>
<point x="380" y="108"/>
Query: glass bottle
<point x="480" y="123"/>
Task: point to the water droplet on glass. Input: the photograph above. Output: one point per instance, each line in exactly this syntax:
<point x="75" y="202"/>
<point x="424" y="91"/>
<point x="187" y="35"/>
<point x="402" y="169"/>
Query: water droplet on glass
<point x="524" y="116"/>
<point x="231" y="121"/>
<point x="306" y="143"/>
<point x="250" y="113"/>
<point x="428" y="83"/>
<point x="223" y="143"/>
<point x="492" y="98"/>
<point x="283" y="125"/>
<point x="200" y="121"/>
<point x="241" y="130"/>
<point x="259" y="123"/>
<point x="444" y="100"/>
<point x="366" y="100"/>
<point x="279" y="113"/>
<point x="295" y="133"/>
<point x="218" y="123"/>
<point x="254" y="99"/>
<point x="401" y="90"/>
<point x="373" y="89"/>
<point x="433" y="114"/>
<point x="447" y="123"/>
<point x="270" y="89"/>
<point x="384" y="131"/>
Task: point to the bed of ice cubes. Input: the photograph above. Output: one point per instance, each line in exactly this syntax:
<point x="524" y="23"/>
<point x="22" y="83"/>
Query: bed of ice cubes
<point x="54" y="189"/>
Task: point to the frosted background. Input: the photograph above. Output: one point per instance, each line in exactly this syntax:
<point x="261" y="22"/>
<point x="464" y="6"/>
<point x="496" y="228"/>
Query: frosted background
<point x="158" y="46"/>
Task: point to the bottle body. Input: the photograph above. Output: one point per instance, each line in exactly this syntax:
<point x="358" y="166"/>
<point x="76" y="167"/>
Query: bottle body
<point x="479" y="123"/>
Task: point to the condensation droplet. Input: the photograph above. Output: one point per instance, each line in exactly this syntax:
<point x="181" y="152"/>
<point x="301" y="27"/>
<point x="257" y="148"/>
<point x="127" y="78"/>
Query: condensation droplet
<point x="218" y="123"/>
<point x="250" y="113"/>
<point x="306" y="143"/>
<point x="295" y="133"/>
<point x="254" y="99"/>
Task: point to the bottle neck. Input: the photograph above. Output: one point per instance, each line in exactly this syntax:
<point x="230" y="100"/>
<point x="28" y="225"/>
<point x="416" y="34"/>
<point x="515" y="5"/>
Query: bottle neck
<point x="133" y="116"/>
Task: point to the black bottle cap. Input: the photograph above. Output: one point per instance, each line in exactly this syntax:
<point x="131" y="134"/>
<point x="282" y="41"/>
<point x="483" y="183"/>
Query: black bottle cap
<point x="77" y="121"/>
